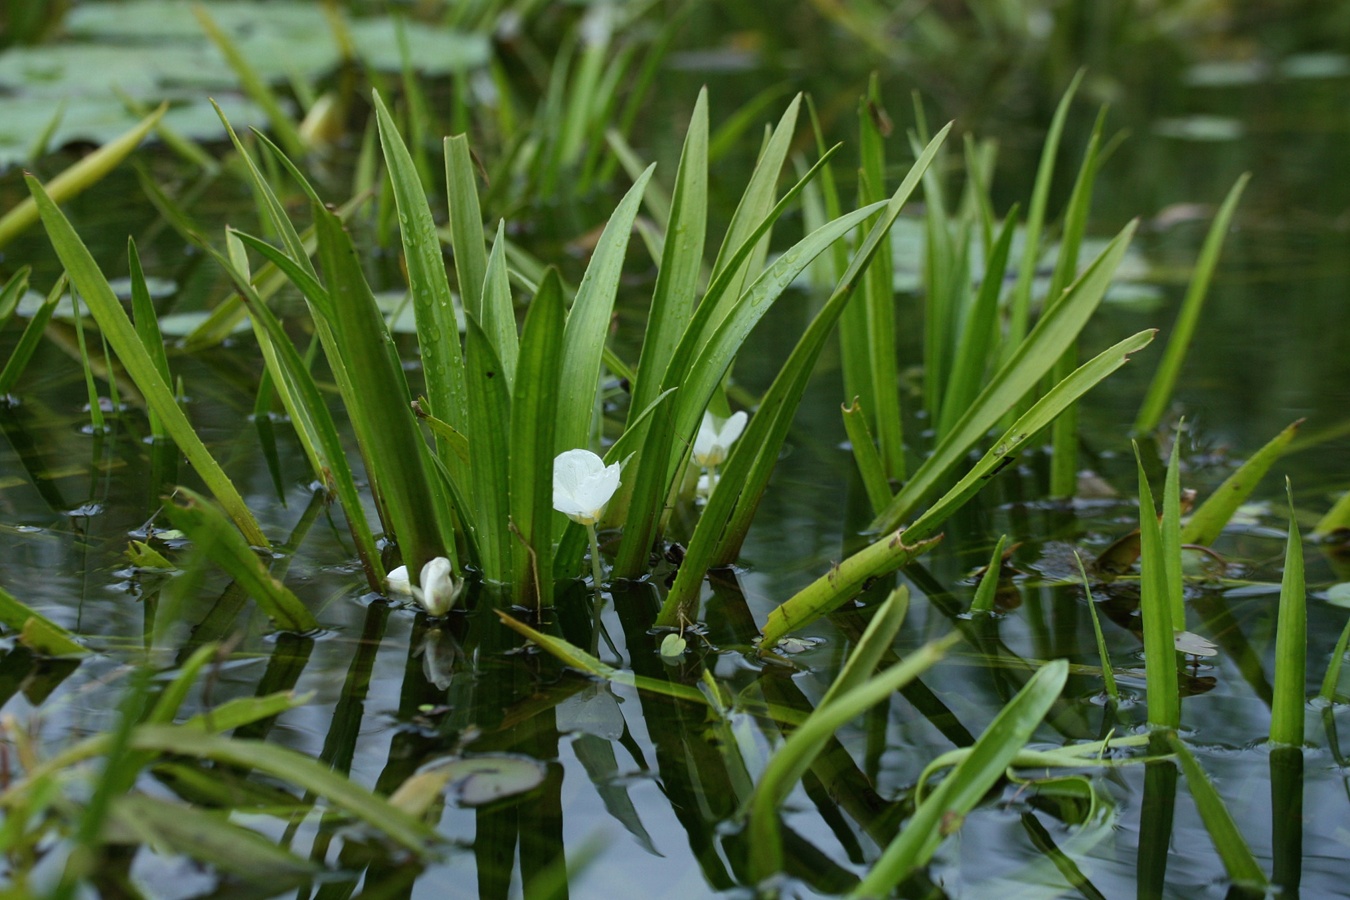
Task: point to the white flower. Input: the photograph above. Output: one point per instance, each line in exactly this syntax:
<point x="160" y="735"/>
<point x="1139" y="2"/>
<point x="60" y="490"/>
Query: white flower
<point x="715" y="437"/>
<point x="439" y="589"/>
<point x="398" y="581"/>
<point x="583" y="485"/>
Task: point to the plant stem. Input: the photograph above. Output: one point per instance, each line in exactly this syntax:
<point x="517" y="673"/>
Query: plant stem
<point x="595" y="557"/>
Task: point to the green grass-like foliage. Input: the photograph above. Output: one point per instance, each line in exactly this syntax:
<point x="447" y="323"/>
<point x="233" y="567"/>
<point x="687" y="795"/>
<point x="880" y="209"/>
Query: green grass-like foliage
<point x="88" y="279"/>
<point x="1291" y="642"/>
<point x="968" y="782"/>
<point x="1228" y="841"/>
<point x="1156" y="610"/>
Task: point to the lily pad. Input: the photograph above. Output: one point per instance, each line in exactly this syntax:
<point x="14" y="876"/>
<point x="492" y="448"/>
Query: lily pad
<point x="1339" y="595"/>
<point x="1194" y="645"/>
<point x="479" y="780"/>
<point x="153" y="50"/>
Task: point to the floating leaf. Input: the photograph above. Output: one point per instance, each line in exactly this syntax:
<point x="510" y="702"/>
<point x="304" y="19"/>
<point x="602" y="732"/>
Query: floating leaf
<point x="673" y="646"/>
<point x="1193" y="644"/>
<point x="479" y="780"/>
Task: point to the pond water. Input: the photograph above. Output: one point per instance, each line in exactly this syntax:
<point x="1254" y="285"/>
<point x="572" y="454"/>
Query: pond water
<point x="643" y="794"/>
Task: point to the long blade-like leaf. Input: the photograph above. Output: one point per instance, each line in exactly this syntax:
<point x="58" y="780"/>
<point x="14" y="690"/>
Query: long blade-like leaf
<point x="1056" y="330"/>
<point x="1223" y="831"/>
<point x="434" y="311"/>
<point x="39" y="633"/>
<point x="89" y="280"/>
<point x="1209" y="520"/>
<point x="82" y="175"/>
<point x="1155" y="609"/>
<point x="1291" y="643"/>
<point x="533" y="425"/>
<point x="968" y="783"/>
<point x="753" y="456"/>
<point x="377" y="398"/>
<point x="466" y="224"/>
<point x="211" y="532"/>
<point x="831" y="590"/>
<point x="791" y="761"/>
<point x="489" y="452"/>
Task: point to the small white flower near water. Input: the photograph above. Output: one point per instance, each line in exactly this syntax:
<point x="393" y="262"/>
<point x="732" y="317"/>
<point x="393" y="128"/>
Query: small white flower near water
<point x="715" y="437"/>
<point x="438" y="590"/>
<point x="713" y="443"/>
<point x="583" y="485"/>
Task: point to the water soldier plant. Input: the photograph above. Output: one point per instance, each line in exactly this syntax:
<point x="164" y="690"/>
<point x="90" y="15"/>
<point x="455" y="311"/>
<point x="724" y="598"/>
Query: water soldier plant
<point x="495" y="465"/>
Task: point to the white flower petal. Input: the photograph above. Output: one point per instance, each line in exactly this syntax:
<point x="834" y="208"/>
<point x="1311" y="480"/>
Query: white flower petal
<point x="583" y="485"/>
<point x="439" y="589"/>
<point x="732" y="428"/>
<point x="706" y="438"/>
<point x="715" y="437"/>
<point x="398" y="581"/>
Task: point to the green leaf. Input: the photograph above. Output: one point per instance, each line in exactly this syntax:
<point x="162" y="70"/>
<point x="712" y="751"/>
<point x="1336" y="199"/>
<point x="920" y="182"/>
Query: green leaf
<point x="1207" y="522"/>
<point x="171" y="698"/>
<point x="212" y="534"/>
<point x="14" y="288"/>
<point x="466" y="225"/>
<point x="147" y="325"/>
<point x="89" y="280"/>
<point x="377" y="401"/>
<point x="682" y="257"/>
<point x="210" y="838"/>
<point x="1223" y="831"/>
<point x="1064" y="437"/>
<point x="1169" y="529"/>
<point x="1020" y="303"/>
<point x="253" y="84"/>
<point x="979" y="335"/>
<point x="1291" y="642"/>
<point x="579" y="659"/>
<point x="1165" y="379"/>
<point x="1108" y="673"/>
<point x="876" y="641"/>
<point x="588" y="322"/>
<point x="988" y="587"/>
<point x="437" y="332"/>
<point x="757" y="201"/>
<point x="489" y="453"/>
<point x="668" y="319"/>
<point x="754" y="455"/>
<point x="309" y="413"/>
<point x="499" y="315"/>
<point x="76" y="179"/>
<point x="37" y="632"/>
<point x="30" y="339"/>
<point x="1155" y="609"/>
<point x="533" y="423"/>
<point x="900" y="547"/>
<point x="878" y="295"/>
<point x="968" y="783"/>
<point x="292" y="767"/>
<point x="1056" y="330"/>
<point x="792" y="760"/>
<point x="865" y="454"/>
